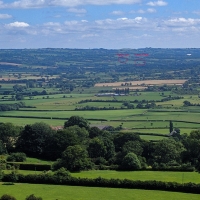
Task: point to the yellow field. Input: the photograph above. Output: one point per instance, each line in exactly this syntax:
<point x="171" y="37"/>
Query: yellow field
<point x="143" y="83"/>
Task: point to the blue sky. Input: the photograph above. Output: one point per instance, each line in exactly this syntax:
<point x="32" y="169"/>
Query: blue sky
<point x="111" y="24"/>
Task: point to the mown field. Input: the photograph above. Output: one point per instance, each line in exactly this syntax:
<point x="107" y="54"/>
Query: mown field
<point x="180" y="177"/>
<point x="52" y="192"/>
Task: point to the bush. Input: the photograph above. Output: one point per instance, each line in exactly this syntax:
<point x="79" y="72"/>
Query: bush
<point x="2" y="164"/>
<point x="31" y="166"/>
<point x="7" y="197"/>
<point x="12" y="177"/>
<point x="16" y="157"/>
<point x="131" y="162"/>
<point x="33" y="197"/>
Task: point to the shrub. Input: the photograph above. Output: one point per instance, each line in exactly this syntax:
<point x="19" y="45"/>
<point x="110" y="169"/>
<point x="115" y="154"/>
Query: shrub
<point x="31" y="166"/>
<point x="17" y="157"/>
<point x="33" y="197"/>
<point x="131" y="162"/>
<point x="7" y="197"/>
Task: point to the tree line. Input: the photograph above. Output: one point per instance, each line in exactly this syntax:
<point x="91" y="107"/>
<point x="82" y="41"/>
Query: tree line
<point x="79" y="147"/>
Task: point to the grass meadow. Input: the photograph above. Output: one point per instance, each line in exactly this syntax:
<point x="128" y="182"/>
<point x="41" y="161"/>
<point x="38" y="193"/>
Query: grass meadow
<point x="180" y="177"/>
<point x="56" y="192"/>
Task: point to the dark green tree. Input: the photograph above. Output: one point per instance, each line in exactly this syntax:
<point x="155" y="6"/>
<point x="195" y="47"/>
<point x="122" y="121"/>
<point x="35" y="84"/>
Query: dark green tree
<point x="168" y="151"/>
<point x="2" y="148"/>
<point x="8" y="135"/>
<point x="94" y="132"/>
<point x="131" y="162"/>
<point x="96" y="148"/>
<point x="121" y="138"/>
<point x="192" y="145"/>
<point x="74" y="158"/>
<point x="70" y="136"/>
<point x="34" y="139"/>
<point x="171" y="127"/>
<point x="16" y="157"/>
<point x="76" y="120"/>
<point x="132" y="147"/>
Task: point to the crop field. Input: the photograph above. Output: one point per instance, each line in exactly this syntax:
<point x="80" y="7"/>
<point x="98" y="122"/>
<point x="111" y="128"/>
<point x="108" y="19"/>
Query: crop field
<point x="52" y="192"/>
<point x="146" y="82"/>
<point x="180" y="177"/>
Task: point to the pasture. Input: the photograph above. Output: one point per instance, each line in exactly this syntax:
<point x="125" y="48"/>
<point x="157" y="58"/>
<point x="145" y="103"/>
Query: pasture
<point x="52" y="192"/>
<point x="55" y="109"/>
<point x="180" y="177"/>
<point x="126" y="115"/>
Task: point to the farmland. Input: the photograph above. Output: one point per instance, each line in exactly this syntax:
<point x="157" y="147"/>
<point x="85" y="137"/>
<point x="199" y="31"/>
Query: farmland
<point x="145" y="82"/>
<point x="141" y="102"/>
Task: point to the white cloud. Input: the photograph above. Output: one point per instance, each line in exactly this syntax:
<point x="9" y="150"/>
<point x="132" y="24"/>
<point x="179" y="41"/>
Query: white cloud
<point x="197" y="12"/>
<point x="77" y="11"/>
<point x="52" y="24"/>
<point x="17" y="25"/>
<point x="182" y="22"/>
<point x="89" y="35"/>
<point x="5" y="16"/>
<point x="117" y="12"/>
<point x="121" y="23"/>
<point x="149" y="10"/>
<point x="141" y="11"/>
<point x="65" y="3"/>
<point x="157" y="3"/>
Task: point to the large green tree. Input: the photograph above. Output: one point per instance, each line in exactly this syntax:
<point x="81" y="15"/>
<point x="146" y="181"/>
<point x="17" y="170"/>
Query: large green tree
<point x="34" y="139"/>
<point x="70" y="136"/>
<point x="8" y="135"/>
<point x="133" y="146"/>
<point x="130" y="162"/>
<point x="77" y="120"/>
<point x="168" y="151"/>
<point x="121" y="138"/>
<point x="96" y="148"/>
<point x="192" y="145"/>
<point x="74" y="158"/>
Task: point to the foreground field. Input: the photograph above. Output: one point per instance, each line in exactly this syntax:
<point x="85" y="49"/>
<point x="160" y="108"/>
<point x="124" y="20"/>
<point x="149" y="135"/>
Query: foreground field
<point x="52" y="192"/>
<point x="180" y="177"/>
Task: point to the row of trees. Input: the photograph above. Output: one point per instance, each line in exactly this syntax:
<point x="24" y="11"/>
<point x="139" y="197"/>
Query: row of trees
<point x="79" y="146"/>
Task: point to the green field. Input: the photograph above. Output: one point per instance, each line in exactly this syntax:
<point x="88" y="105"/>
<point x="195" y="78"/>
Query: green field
<point x="52" y="192"/>
<point x="180" y="177"/>
<point x="47" y="108"/>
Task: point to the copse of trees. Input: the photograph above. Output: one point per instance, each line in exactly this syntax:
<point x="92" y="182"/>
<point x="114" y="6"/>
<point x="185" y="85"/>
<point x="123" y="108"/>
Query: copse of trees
<point x="79" y="147"/>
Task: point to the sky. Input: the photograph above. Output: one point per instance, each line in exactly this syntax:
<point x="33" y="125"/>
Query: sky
<point x="110" y="24"/>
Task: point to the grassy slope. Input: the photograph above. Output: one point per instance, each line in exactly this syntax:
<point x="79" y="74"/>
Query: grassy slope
<point x="52" y="192"/>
